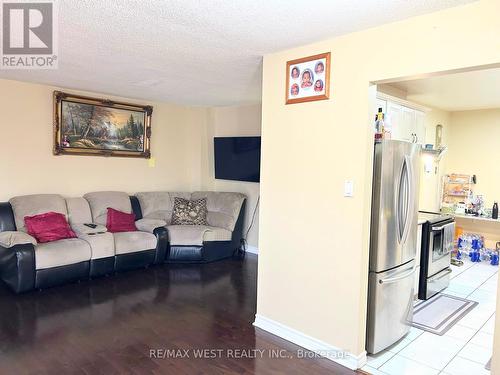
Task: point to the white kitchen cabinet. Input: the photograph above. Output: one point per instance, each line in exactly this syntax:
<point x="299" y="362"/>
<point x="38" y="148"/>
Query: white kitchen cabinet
<point x="420" y="126"/>
<point x="393" y="119"/>
<point x="405" y="123"/>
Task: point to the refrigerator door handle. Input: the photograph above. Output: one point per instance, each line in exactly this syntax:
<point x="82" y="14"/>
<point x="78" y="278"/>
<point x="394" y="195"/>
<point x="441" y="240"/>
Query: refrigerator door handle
<point x="403" y="196"/>
<point x="409" y="199"/>
<point x="397" y="278"/>
<point x="398" y="203"/>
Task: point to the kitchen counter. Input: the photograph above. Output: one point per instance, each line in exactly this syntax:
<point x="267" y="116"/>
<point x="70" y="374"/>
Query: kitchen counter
<point x="487" y="227"/>
<point x="478" y="218"/>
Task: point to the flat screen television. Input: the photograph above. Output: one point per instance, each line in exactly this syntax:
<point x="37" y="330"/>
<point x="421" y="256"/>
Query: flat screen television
<point x="237" y="158"/>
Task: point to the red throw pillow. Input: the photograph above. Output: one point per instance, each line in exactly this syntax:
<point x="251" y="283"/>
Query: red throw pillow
<point x="118" y="221"/>
<point x="48" y="227"/>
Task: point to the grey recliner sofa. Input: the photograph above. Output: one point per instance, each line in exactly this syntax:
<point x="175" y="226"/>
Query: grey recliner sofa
<point x="198" y="243"/>
<point x="26" y="265"/>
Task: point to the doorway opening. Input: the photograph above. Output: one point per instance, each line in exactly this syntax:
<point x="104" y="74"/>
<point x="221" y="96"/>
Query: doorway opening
<point x="453" y="120"/>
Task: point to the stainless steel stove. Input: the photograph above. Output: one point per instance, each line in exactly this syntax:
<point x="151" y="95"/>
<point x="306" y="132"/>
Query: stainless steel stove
<point x="438" y="233"/>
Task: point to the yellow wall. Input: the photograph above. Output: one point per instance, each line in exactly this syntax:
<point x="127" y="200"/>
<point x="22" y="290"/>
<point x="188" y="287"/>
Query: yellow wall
<point x="313" y="260"/>
<point x="28" y="166"/>
<point x="230" y="122"/>
<point x="474" y="148"/>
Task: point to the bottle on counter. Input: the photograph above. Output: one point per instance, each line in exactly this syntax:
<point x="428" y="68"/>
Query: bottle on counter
<point x="379" y="124"/>
<point x="494" y="211"/>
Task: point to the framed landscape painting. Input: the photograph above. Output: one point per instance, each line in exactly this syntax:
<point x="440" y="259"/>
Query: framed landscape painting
<point x="308" y="79"/>
<point x="91" y="126"/>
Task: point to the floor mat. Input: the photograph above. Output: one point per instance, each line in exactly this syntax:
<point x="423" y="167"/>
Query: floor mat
<point x="438" y="314"/>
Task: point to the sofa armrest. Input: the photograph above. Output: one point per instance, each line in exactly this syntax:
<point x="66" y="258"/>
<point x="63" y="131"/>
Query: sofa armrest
<point x="149" y="225"/>
<point x="10" y="239"/>
<point x="161" y="234"/>
<point x="80" y="229"/>
<point x="17" y="267"/>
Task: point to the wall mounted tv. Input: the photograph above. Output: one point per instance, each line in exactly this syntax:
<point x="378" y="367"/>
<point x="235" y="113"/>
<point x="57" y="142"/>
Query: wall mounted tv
<point x="237" y="158"/>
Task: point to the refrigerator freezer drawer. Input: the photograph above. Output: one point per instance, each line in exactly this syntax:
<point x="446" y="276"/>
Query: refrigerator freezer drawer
<point x="390" y="306"/>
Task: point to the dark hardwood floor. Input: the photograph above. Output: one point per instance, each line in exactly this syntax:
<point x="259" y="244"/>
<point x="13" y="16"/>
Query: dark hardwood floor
<point x="119" y="324"/>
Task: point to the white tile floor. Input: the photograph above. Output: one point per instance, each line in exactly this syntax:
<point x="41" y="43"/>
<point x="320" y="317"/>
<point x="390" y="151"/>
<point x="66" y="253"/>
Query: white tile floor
<point x="465" y="348"/>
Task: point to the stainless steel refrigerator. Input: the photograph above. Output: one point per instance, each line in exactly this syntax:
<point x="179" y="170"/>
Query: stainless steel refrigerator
<point x="393" y="241"/>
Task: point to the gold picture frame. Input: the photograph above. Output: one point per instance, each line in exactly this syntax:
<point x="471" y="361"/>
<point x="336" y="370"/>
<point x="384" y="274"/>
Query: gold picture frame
<point x="308" y="79"/>
<point x="100" y="127"/>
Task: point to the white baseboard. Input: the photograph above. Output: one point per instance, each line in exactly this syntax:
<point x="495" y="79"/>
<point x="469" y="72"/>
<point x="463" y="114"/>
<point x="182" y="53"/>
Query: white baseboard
<point x="252" y="250"/>
<point x="350" y="360"/>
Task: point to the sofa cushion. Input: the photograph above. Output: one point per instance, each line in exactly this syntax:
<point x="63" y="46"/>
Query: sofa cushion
<point x="149" y="225"/>
<point x="131" y="242"/>
<point x="223" y="208"/>
<point x="189" y="212"/>
<point x="78" y="211"/>
<point x="102" y="200"/>
<point x="186" y="235"/>
<point x="61" y="253"/>
<point x="10" y="239"/>
<point x="118" y="221"/>
<point x="30" y="205"/>
<point x="217" y="234"/>
<point x="48" y="227"/>
<point x="101" y="245"/>
<point x="159" y="204"/>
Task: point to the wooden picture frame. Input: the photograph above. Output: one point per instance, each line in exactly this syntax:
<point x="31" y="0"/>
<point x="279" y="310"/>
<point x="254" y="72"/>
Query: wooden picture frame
<point x="308" y="79"/>
<point x="100" y="127"/>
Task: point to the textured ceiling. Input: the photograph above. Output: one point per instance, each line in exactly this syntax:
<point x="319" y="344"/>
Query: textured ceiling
<point x="198" y="52"/>
<point x="456" y="92"/>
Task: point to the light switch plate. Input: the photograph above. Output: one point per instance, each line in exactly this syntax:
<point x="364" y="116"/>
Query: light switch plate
<point x="348" y="189"/>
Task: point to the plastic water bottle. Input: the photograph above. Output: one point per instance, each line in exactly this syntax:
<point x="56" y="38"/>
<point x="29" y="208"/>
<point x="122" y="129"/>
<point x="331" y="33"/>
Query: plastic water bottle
<point x="475" y="243"/>
<point x="485" y="255"/>
<point x="467" y="243"/>
<point x="494" y="258"/>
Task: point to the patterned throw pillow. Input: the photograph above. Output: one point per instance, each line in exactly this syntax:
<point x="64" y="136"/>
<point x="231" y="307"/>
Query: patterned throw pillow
<point x="188" y="212"/>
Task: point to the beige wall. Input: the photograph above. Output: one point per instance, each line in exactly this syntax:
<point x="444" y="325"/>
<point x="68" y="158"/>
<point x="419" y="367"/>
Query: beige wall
<point x="473" y="149"/>
<point x="28" y="166"/>
<point x="313" y="260"/>
<point x="430" y="183"/>
<point x="230" y="122"/>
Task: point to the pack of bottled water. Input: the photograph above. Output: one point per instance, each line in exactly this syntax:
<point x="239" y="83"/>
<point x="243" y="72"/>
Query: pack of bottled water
<point x="472" y="245"/>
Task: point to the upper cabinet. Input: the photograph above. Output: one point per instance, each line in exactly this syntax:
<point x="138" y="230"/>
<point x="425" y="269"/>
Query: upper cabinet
<point x="420" y="126"/>
<point x="406" y="128"/>
<point x="404" y="122"/>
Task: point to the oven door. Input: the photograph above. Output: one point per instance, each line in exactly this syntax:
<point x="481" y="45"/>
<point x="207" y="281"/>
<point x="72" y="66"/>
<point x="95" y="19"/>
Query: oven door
<point x="440" y="247"/>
